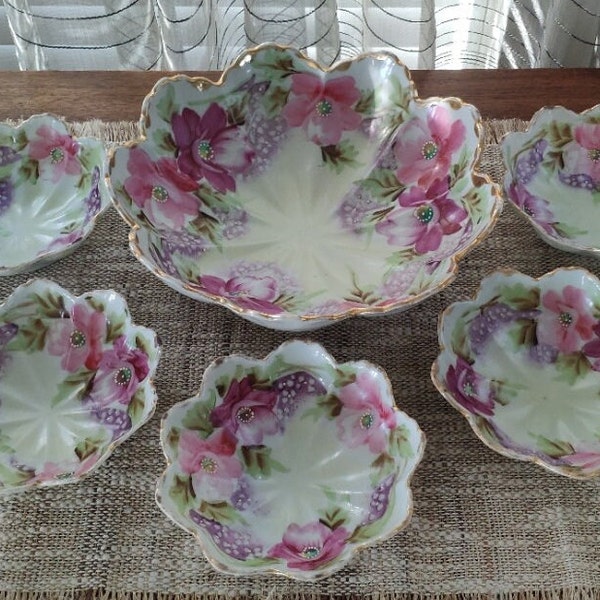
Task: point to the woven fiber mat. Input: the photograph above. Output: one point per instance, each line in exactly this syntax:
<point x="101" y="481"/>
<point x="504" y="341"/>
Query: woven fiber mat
<point x="483" y="525"/>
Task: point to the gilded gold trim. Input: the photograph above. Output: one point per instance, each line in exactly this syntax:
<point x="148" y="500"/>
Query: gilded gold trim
<point x="313" y="321"/>
<point x="152" y="396"/>
<point x="439" y="383"/>
<point x="256" y="571"/>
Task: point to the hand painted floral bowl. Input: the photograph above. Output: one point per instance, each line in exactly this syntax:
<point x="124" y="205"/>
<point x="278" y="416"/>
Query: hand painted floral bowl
<point x="75" y="382"/>
<point x="522" y="363"/>
<point x="52" y="189"/>
<point x="553" y="177"/>
<point x="289" y="464"/>
<point x="297" y="196"/>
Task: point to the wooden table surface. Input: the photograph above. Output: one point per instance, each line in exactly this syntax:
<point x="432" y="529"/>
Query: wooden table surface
<point x="117" y="95"/>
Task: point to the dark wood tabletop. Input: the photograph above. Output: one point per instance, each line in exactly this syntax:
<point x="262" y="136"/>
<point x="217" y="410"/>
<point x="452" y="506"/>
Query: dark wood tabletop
<point x="117" y="95"/>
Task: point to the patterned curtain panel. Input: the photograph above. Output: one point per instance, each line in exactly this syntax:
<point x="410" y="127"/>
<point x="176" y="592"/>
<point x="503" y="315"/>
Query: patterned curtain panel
<point x="209" y="34"/>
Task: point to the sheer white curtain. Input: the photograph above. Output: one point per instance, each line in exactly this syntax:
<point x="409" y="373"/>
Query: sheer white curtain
<point x="209" y="34"/>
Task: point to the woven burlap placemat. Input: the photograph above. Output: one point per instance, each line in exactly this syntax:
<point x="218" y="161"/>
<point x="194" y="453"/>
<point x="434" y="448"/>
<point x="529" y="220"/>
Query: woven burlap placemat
<point x="483" y="525"/>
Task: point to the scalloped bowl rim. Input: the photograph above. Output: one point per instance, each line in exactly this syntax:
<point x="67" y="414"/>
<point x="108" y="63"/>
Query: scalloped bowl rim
<point x="152" y="399"/>
<point x="49" y="256"/>
<point x="469" y="416"/>
<point x="559" y="242"/>
<point x="404" y="477"/>
<point x="309" y="321"/>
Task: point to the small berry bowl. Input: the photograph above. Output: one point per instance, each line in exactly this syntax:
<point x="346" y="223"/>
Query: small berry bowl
<point x="553" y="177"/>
<point x="297" y="196"/>
<point x="522" y="363"/>
<point x="289" y="464"/>
<point x="75" y="382"/>
<point x="52" y="189"/>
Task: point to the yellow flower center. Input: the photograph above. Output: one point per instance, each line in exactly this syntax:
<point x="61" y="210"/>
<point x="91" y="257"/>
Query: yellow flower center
<point x="208" y="465"/>
<point x="160" y="194"/>
<point x="77" y="339"/>
<point x="123" y="376"/>
<point x="205" y="150"/>
<point x="324" y="108"/>
<point x="429" y="150"/>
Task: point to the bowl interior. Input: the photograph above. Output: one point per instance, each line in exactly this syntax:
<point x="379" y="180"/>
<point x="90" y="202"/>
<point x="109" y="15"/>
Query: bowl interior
<point x="51" y="188"/>
<point x="522" y="362"/>
<point x="553" y="176"/>
<point x="287" y="189"/>
<point x="288" y="467"/>
<point x="74" y="382"/>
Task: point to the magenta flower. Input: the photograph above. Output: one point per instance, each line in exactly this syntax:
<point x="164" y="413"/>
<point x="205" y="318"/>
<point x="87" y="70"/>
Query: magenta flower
<point x="306" y="547"/>
<point x="587" y="460"/>
<point x="86" y="464"/>
<point x="58" y="149"/>
<point x="66" y="240"/>
<point x="48" y="472"/>
<point x="253" y="292"/>
<point x="208" y="148"/>
<point x="592" y="349"/>
<point x="119" y="374"/>
<point x="567" y="321"/>
<point x="161" y="190"/>
<point x="469" y="389"/>
<point x="247" y="412"/>
<point x="534" y="206"/>
<point x="364" y="418"/>
<point x="323" y="109"/>
<point x="211" y="462"/>
<point x="582" y="155"/>
<point x="433" y="216"/>
<point x="424" y="149"/>
<point x="79" y="339"/>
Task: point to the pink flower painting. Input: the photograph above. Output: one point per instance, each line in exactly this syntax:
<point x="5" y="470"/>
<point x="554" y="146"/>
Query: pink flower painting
<point x="592" y="348"/>
<point x="57" y="149"/>
<point x="432" y="216"/>
<point x="566" y="322"/>
<point x="582" y="155"/>
<point x="424" y="148"/>
<point x="247" y="411"/>
<point x="120" y="372"/>
<point x="211" y="462"/>
<point x="324" y="109"/>
<point x="586" y="460"/>
<point x="209" y="148"/>
<point x="158" y="188"/>
<point x="364" y="419"/>
<point x="534" y="206"/>
<point x="306" y="547"/>
<point x="79" y="339"/>
<point x="254" y="292"/>
<point x="469" y="389"/>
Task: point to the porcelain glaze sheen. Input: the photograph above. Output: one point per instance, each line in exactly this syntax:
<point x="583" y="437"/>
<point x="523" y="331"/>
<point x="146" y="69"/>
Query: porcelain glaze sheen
<point x="289" y="464"/>
<point x="75" y="381"/>
<point x="553" y="177"/>
<point x="52" y="189"/>
<point x="296" y="196"/>
<point x="522" y="362"/>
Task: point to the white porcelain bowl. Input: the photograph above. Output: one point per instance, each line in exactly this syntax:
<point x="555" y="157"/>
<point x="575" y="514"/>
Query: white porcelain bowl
<point x="521" y="361"/>
<point x="75" y="382"/>
<point x="297" y="196"/>
<point x="289" y="464"/>
<point x="52" y="189"/>
<point x="553" y="177"/>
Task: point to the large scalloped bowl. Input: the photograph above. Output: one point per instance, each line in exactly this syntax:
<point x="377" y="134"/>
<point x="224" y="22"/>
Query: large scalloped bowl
<point x="52" y="190"/>
<point x="75" y="382"/>
<point x="553" y="177"/>
<point x="289" y="464"/>
<point x="521" y="361"/>
<point x="297" y="196"/>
